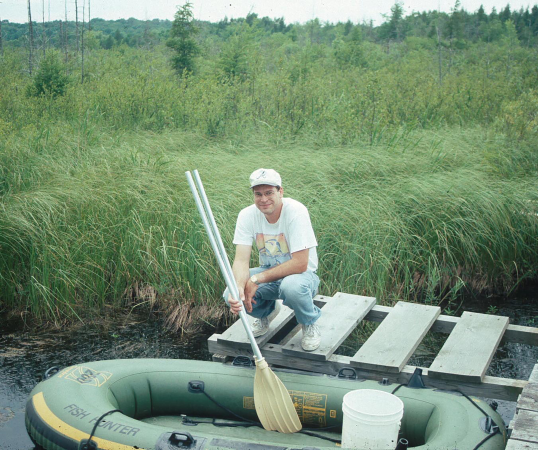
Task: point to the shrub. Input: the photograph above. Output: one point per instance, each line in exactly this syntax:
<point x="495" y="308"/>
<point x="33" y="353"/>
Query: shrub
<point x="50" y="79"/>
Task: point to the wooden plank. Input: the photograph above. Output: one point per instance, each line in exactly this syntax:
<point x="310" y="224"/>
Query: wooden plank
<point x="525" y="426"/>
<point x="533" y="377"/>
<point x="216" y="357"/>
<point x="529" y="398"/>
<point x="339" y="318"/>
<point x="520" y="445"/>
<point x="469" y="349"/>
<point x="236" y="334"/>
<point x="491" y="387"/>
<point x="445" y="324"/>
<point x="394" y="341"/>
<point x="521" y="335"/>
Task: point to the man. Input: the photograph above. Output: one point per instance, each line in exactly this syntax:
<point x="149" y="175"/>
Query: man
<point x="281" y="229"/>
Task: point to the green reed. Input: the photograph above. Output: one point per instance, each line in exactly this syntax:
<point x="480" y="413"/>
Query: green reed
<point x="111" y="222"/>
<point x="417" y="190"/>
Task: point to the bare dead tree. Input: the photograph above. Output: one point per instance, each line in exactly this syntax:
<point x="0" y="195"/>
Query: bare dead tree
<point x="61" y="34"/>
<point x="76" y="25"/>
<point x="89" y="16"/>
<point x="82" y="33"/>
<point x="440" y="56"/>
<point x="438" y="29"/>
<point x="44" y="43"/>
<point x="30" y="39"/>
<point x="1" y="42"/>
<point x="65" y="36"/>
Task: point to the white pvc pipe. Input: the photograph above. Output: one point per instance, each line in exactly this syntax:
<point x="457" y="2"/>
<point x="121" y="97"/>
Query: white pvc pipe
<point x="220" y="252"/>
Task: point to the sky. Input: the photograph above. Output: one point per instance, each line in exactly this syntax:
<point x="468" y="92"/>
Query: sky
<point x="215" y="10"/>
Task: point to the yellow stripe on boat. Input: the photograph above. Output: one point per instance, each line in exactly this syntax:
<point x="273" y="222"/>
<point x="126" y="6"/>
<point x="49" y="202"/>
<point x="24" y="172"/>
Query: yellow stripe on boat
<point x="67" y="430"/>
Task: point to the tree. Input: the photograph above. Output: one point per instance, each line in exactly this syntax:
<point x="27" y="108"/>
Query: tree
<point x="534" y="20"/>
<point x="349" y="52"/>
<point x="505" y="14"/>
<point x="30" y="39"/>
<point x="313" y="28"/>
<point x="49" y="79"/>
<point x="455" y="23"/>
<point x="511" y="43"/>
<point x="481" y="15"/>
<point x="182" y="39"/>
<point x="66" y="36"/>
<point x="251" y="18"/>
<point x="118" y="36"/>
<point x="234" y="58"/>
<point x="82" y="60"/>
<point x="348" y="27"/>
<point x="76" y="25"/>
<point x="396" y="22"/>
<point x="108" y="43"/>
<point x="44" y="36"/>
<point x="1" y="43"/>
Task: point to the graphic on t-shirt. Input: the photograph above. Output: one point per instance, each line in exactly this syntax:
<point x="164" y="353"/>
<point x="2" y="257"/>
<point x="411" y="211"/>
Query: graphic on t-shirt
<point x="273" y="249"/>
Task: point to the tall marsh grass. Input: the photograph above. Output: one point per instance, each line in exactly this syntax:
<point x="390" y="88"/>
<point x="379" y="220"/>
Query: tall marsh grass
<point x="417" y="190"/>
<point x="111" y="222"/>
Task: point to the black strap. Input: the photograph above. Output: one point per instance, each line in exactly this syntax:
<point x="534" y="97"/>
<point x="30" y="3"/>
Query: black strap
<point x="497" y="431"/>
<point x="250" y="423"/>
<point x="88" y="445"/>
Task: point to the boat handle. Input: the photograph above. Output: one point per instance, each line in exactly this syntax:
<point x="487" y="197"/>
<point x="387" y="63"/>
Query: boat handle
<point x="183" y="439"/>
<point x="51" y="371"/>
<point x="347" y="372"/>
<point x="242" y="360"/>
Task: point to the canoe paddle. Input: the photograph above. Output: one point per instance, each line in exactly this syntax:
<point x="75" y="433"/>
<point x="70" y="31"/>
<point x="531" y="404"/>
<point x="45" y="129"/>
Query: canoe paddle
<point x="271" y="398"/>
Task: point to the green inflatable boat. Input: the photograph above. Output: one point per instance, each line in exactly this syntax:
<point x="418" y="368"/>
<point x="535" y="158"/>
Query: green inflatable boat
<point x="168" y="404"/>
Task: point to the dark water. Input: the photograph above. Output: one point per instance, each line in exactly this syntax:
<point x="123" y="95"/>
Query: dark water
<point x="24" y="356"/>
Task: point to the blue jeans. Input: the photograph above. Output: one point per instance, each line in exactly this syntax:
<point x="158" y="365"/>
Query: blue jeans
<point x="297" y="291"/>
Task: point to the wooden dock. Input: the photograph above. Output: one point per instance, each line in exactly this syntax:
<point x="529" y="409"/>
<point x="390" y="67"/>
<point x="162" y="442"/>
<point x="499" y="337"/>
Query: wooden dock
<point x="524" y="426"/>
<point x="461" y="363"/>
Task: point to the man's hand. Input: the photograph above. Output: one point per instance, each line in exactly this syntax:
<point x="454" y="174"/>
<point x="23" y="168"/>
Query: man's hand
<point x="235" y="306"/>
<point x="250" y="291"/>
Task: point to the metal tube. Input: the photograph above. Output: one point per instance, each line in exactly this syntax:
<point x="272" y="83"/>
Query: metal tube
<point x="212" y="222"/>
<point x="222" y="259"/>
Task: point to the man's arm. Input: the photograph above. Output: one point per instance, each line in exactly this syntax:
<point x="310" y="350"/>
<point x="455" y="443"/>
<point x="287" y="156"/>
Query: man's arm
<point x="240" y="270"/>
<point x="241" y="265"/>
<point x="297" y="264"/>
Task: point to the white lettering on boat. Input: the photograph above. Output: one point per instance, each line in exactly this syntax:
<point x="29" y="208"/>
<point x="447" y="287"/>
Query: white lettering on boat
<point x="116" y="427"/>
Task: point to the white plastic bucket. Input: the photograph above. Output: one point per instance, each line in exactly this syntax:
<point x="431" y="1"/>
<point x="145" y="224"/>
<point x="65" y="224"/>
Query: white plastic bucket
<point x="371" y="420"/>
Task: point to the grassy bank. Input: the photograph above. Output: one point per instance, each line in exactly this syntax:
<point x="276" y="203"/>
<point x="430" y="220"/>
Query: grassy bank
<point x="420" y="174"/>
<point x="92" y="218"/>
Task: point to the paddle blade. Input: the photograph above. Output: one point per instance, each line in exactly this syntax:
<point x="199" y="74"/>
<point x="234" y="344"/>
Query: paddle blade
<point x="273" y="402"/>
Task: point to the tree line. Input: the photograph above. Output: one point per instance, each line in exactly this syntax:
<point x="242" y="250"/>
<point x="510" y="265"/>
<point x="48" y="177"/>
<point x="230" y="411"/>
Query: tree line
<point x="455" y="28"/>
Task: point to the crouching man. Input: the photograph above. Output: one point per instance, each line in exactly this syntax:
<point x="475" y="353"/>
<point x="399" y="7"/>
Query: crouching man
<point x="283" y="234"/>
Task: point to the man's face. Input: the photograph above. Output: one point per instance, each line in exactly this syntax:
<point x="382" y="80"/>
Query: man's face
<point x="268" y="199"/>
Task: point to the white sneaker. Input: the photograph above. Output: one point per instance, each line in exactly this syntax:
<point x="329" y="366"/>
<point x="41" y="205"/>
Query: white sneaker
<point x="311" y="337"/>
<point x="261" y="326"/>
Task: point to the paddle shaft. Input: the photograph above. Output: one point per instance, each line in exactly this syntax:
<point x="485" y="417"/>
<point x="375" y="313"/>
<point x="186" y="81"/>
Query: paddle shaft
<point x="220" y="252"/>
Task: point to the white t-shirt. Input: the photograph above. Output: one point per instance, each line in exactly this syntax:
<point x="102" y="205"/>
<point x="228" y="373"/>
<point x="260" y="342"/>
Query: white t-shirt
<point x="277" y="241"/>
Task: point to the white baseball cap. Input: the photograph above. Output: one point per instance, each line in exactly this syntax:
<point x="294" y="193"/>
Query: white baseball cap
<point x="265" y="176"/>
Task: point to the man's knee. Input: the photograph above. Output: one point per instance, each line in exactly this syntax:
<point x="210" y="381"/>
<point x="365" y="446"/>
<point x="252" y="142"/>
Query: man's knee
<point x="294" y="287"/>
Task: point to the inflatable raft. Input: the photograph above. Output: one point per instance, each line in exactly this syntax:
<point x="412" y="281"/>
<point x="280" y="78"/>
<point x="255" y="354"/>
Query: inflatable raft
<point x="167" y="404"/>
